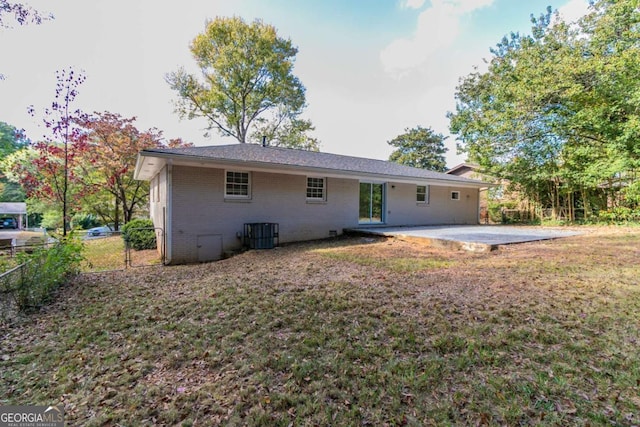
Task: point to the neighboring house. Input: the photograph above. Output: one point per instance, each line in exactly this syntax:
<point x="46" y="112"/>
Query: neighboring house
<point x="202" y="197"/>
<point x="470" y="170"/>
<point x="17" y="211"/>
<point x="466" y="170"/>
<point x="506" y="203"/>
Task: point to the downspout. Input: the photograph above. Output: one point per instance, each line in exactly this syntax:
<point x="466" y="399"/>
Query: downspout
<point x="168" y="238"/>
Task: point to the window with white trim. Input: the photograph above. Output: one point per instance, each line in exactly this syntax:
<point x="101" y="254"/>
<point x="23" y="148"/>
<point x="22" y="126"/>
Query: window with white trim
<point x="316" y="189"/>
<point x="237" y="185"/>
<point x="455" y="195"/>
<point x="422" y="194"/>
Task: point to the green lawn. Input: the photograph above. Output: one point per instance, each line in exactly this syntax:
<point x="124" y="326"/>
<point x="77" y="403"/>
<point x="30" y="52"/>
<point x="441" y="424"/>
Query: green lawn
<point x="104" y="254"/>
<point x="345" y="332"/>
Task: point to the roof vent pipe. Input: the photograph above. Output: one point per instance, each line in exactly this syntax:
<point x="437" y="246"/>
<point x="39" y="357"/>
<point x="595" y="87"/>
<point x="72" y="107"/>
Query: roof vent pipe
<point x="264" y="140"/>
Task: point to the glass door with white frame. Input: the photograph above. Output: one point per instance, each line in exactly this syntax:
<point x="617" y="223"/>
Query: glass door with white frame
<point x="371" y="203"/>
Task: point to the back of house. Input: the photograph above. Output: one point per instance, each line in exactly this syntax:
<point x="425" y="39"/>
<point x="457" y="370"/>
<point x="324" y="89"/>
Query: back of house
<point x="204" y="200"/>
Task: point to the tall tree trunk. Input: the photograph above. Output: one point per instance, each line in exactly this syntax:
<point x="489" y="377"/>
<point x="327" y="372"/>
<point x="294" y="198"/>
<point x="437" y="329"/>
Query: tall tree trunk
<point x="65" y="184"/>
<point x="586" y="206"/>
<point x="116" y="216"/>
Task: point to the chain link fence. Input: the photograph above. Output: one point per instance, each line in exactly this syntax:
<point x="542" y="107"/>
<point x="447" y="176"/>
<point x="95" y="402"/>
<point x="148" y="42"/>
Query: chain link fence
<point x="114" y="250"/>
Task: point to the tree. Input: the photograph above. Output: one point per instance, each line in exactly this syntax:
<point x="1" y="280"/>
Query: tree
<point x="11" y="140"/>
<point x="108" y="163"/>
<point x="17" y="167"/>
<point x="421" y="148"/>
<point x="57" y="154"/>
<point x="247" y="80"/>
<point x="22" y="14"/>
<point x="556" y="113"/>
<point x="286" y="132"/>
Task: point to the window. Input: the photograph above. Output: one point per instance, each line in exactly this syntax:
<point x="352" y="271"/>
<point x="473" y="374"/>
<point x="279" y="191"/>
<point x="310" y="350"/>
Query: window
<point x="237" y="185"/>
<point x="422" y="194"/>
<point x="455" y="195"/>
<point x="316" y="189"/>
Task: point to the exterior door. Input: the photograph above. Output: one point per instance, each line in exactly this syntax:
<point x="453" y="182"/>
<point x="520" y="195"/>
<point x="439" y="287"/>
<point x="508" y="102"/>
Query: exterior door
<point x="372" y="203"/>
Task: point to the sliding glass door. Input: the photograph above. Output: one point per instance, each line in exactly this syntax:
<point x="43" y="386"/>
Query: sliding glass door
<point x="371" y="203"/>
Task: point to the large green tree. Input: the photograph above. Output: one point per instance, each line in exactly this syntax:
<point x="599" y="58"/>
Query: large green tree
<point x="557" y="111"/>
<point x="11" y="140"/>
<point x="421" y="148"/>
<point x="247" y="88"/>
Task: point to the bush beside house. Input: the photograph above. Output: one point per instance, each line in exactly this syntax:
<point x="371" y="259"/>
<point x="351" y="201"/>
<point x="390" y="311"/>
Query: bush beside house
<point x="139" y="234"/>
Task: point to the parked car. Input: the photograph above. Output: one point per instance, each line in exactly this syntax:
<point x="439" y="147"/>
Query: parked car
<point x="99" y="231"/>
<point x="8" y="223"/>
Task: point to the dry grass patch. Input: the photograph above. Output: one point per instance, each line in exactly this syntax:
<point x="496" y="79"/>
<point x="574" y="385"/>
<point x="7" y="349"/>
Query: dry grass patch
<point x="108" y="253"/>
<point x="345" y="333"/>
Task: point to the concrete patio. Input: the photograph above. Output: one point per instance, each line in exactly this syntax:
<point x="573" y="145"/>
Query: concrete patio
<point x="480" y="238"/>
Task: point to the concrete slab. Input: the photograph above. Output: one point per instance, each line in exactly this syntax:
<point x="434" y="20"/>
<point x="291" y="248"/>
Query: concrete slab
<point x="471" y="237"/>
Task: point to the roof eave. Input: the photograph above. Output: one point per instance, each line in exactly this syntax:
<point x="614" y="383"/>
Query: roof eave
<point x="191" y="159"/>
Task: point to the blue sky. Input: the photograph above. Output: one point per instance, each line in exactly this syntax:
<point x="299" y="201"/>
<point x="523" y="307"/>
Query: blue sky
<point x="371" y="67"/>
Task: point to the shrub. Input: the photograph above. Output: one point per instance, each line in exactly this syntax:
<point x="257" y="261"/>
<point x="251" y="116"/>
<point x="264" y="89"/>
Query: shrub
<point x="620" y="214"/>
<point x="51" y="220"/>
<point x="45" y="269"/>
<point x="139" y="234"/>
<point x="84" y="221"/>
<point x="495" y="208"/>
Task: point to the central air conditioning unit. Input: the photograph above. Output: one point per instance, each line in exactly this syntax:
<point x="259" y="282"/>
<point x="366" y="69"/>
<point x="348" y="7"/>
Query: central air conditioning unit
<point x="261" y="235"/>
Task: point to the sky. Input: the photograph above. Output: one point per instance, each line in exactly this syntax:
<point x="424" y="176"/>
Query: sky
<point x="371" y="68"/>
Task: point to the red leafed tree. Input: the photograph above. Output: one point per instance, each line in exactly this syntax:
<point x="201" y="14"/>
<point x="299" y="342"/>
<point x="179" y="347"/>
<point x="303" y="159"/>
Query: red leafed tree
<point x="22" y="14"/>
<point x="52" y="174"/>
<point x="108" y="164"/>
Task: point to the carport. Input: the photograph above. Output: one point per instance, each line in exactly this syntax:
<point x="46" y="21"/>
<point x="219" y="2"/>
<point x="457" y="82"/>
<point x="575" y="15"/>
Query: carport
<point x="478" y="238"/>
<point x="17" y="210"/>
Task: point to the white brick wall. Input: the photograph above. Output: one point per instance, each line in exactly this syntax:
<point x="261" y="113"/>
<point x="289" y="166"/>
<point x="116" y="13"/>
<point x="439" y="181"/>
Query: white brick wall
<point x="200" y="209"/>
<point x="402" y="208"/>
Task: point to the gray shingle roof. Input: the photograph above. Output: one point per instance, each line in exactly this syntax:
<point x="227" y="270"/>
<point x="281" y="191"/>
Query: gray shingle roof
<point x="276" y="156"/>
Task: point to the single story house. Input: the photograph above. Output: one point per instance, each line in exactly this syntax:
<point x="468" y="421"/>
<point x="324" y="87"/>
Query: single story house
<point x="202" y="197"/>
<point x="470" y="170"/>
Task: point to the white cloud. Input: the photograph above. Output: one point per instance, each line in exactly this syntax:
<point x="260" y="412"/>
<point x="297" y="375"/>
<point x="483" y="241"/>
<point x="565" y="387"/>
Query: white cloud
<point x="437" y="28"/>
<point x="465" y="6"/>
<point x="412" y="4"/>
<point x="574" y="10"/>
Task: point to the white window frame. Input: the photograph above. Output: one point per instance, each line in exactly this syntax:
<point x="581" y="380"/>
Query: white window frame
<point x="323" y="198"/>
<point x="425" y="194"/>
<point x="237" y="196"/>
<point x="457" y="195"/>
